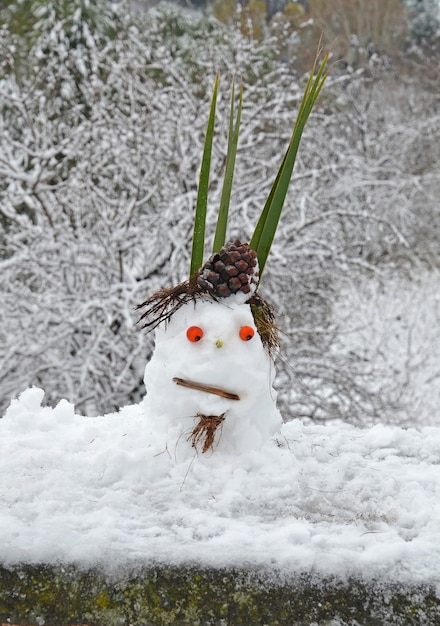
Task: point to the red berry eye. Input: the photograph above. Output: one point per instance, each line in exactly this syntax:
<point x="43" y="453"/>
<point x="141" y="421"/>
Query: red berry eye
<point x="194" y="333"/>
<point x="246" y="333"/>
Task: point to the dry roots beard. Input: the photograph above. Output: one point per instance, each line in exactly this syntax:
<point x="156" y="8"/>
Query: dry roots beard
<point x="203" y="433"/>
<point x="161" y="306"/>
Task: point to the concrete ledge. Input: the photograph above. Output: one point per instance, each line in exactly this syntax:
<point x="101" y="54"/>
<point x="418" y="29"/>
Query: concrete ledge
<point x="56" y="596"/>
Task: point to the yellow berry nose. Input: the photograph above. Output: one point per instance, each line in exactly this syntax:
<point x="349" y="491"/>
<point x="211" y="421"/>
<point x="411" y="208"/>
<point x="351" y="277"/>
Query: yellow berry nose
<point x="218" y="343"/>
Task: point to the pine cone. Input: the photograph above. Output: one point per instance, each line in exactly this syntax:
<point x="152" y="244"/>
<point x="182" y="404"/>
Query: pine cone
<point x="233" y="269"/>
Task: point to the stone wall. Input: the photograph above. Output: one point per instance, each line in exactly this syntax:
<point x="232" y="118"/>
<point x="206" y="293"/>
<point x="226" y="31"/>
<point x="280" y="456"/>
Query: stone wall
<point x="40" y="595"/>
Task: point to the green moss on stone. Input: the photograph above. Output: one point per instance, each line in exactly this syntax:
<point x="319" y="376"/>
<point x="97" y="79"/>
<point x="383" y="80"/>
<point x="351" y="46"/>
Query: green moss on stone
<point x="200" y="597"/>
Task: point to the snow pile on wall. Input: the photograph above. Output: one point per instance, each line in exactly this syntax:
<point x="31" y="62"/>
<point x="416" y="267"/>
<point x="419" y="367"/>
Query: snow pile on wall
<point x="328" y="500"/>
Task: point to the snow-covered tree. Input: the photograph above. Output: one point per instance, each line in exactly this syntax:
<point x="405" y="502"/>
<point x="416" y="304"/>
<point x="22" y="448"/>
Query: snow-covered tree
<point x="424" y="20"/>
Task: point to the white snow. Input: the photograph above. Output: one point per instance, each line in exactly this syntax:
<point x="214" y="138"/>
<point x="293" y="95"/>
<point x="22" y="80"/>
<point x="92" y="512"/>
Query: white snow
<point x="323" y="499"/>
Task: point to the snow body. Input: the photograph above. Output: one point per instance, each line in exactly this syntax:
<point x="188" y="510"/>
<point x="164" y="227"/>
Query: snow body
<point x="220" y="359"/>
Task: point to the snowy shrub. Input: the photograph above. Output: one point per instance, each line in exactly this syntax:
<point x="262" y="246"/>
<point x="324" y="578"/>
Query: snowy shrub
<point x="392" y="326"/>
<point x="101" y="141"/>
<point x="363" y="208"/>
<point x="102" y="128"/>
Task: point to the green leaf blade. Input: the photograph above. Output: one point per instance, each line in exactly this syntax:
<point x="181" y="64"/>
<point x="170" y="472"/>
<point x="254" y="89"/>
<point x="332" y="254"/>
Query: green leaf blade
<point x="198" y="243"/>
<point x="264" y="233"/>
<point x="220" y="231"/>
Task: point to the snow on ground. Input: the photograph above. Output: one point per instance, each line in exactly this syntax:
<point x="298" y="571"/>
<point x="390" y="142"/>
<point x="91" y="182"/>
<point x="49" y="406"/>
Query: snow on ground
<point x="323" y="499"/>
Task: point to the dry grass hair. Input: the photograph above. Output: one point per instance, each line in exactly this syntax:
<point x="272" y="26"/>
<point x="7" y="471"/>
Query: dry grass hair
<point x="162" y="305"/>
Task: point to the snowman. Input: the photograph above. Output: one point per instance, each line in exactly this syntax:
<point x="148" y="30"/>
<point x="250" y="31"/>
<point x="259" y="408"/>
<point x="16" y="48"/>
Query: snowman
<point x="209" y="380"/>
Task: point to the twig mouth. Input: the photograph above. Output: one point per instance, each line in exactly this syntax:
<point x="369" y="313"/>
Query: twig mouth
<point x="208" y="388"/>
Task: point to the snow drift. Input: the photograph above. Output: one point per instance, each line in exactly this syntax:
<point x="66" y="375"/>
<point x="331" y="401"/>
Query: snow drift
<point x="329" y="500"/>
